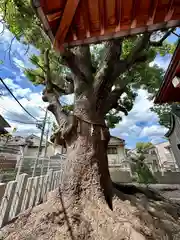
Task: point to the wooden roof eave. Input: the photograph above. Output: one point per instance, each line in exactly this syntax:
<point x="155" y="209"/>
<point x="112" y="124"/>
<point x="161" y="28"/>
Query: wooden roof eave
<point x="168" y="75"/>
<point x="40" y="14"/>
<point x="124" y="33"/>
<point x="66" y="22"/>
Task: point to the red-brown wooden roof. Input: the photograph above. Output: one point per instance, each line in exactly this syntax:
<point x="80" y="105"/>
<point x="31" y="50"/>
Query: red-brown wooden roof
<point x="168" y="93"/>
<point x="75" y="22"/>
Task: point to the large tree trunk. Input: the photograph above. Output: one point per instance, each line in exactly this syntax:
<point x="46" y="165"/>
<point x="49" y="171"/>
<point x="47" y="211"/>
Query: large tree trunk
<point x="86" y="168"/>
<point x="86" y="171"/>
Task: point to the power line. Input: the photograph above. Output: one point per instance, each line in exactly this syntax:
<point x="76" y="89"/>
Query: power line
<point x="15" y="115"/>
<point x="16" y="99"/>
<point x="18" y="121"/>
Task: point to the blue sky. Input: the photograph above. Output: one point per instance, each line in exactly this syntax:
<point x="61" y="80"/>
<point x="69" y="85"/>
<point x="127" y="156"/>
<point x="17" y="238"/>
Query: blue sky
<point x="140" y="125"/>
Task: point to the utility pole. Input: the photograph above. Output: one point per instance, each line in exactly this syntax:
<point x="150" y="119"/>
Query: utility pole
<point x="40" y="144"/>
<point x="46" y="146"/>
<point x="47" y="135"/>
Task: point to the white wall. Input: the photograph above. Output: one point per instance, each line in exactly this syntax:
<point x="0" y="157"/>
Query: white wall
<point x="164" y="155"/>
<point x="117" y="158"/>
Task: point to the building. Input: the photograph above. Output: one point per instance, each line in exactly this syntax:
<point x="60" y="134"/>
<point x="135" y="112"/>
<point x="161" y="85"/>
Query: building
<point x="174" y="132"/>
<point x="3" y="124"/>
<point x="25" y="145"/>
<point x="159" y="157"/>
<point x="32" y="146"/>
<point x="116" y="151"/>
<point x="169" y="92"/>
<point x="166" y="157"/>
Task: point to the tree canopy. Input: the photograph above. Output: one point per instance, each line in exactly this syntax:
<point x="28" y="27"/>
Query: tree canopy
<point x="164" y="114"/>
<point x="142" y="146"/>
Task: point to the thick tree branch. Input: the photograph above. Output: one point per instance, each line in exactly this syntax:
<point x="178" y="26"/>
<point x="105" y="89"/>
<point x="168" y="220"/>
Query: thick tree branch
<point x="84" y="60"/>
<point x="114" y="66"/>
<point x="62" y="84"/>
<point x="136" y="53"/>
<point x="51" y="95"/>
<point x="112" y="100"/>
<point x="112" y="54"/>
<point x="134" y="57"/>
<point x="76" y="65"/>
<point x="113" y="50"/>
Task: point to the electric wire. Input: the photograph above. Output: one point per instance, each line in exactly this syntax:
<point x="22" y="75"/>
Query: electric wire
<point x="17" y="99"/>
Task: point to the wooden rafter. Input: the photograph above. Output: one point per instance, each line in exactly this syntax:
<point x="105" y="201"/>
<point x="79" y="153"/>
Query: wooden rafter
<point x="152" y="11"/>
<point x="86" y="18"/>
<point x="133" y="14"/>
<point x="170" y="11"/>
<point x="102" y="16"/>
<point x="76" y="22"/>
<point x="118" y="14"/>
<point x="66" y="20"/>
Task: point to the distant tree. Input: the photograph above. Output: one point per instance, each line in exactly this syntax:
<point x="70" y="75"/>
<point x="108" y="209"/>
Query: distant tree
<point x="164" y="114"/>
<point x="144" y="174"/>
<point x="142" y="146"/>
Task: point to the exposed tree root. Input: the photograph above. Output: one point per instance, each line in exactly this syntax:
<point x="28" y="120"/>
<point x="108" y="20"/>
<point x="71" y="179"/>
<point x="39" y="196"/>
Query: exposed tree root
<point x="138" y="214"/>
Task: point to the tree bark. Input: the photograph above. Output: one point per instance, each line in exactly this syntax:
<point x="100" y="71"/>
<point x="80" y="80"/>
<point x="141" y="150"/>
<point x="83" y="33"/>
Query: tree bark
<point x="86" y="173"/>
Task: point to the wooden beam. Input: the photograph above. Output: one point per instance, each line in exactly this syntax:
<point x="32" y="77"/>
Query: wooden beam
<point x="118" y="14"/>
<point x="102" y="16"/>
<point x="133" y="13"/>
<point x="53" y="16"/>
<point x="170" y="11"/>
<point x="85" y="12"/>
<point x="108" y="35"/>
<point x="152" y="11"/>
<point x="66" y="20"/>
<point x="74" y="33"/>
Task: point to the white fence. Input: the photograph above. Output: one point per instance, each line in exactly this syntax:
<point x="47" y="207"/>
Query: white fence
<point x="26" y="192"/>
<point x="26" y="164"/>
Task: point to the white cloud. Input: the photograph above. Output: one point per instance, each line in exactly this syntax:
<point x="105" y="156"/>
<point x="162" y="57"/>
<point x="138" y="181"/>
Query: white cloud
<point x="156" y="140"/>
<point x="140" y="113"/>
<point x="17" y="90"/>
<point x="134" y="126"/>
<point x="67" y="99"/>
<point x="162" y="62"/>
<point x="17" y="117"/>
<point x="21" y="92"/>
<point x="153" y="131"/>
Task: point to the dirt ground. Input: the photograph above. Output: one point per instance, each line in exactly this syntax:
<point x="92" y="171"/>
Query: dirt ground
<point x="136" y="215"/>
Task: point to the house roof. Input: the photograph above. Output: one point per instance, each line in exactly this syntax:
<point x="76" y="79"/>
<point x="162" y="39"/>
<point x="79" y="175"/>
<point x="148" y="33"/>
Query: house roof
<point x="117" y="138"/>
<point x="3" y="130"/>
<point x="3" y="122"/>
<point x="33" y="136"/>
<point x="76" y="22"/>
<point x="168" y="93"/>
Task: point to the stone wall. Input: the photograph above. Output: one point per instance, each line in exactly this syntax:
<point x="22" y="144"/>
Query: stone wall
<point x="120" y="176"/>
<point x="168" y="178"/>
